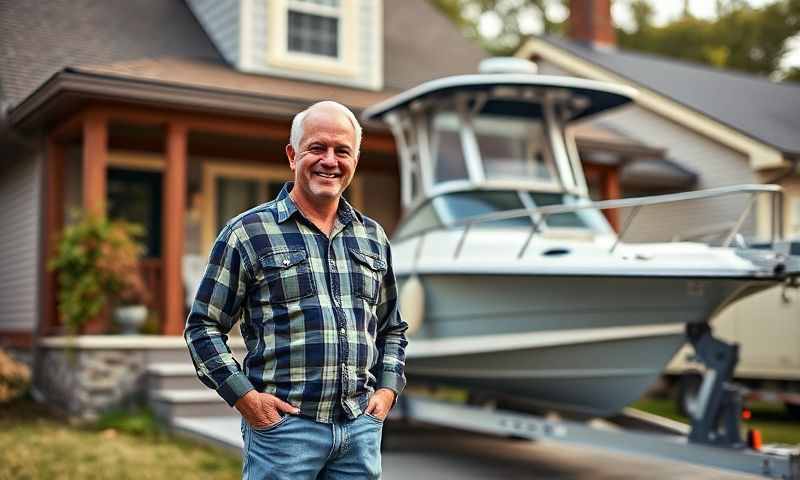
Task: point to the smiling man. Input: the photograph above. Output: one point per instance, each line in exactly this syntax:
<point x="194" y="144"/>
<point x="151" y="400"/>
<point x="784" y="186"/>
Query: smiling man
<point x="311" y="281"/>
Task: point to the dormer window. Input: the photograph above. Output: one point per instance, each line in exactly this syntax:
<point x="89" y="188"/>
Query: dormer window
<point x="313" y="27"/>
<point x="320" y="37"/>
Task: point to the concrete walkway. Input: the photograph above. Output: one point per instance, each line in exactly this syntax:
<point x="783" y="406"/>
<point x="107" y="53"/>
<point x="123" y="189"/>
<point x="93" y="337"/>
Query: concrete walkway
<point x="428" y="453"/>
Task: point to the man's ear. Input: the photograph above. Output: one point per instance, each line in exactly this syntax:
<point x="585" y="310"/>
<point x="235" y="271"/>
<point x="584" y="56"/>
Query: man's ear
<point x="290" y="155"/>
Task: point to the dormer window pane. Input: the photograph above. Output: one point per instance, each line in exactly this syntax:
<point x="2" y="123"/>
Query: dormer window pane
<point x="313" y="27"/>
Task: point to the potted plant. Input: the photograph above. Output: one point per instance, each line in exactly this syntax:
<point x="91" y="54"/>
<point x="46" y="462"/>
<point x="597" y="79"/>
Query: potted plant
<point x="97" y="261"/>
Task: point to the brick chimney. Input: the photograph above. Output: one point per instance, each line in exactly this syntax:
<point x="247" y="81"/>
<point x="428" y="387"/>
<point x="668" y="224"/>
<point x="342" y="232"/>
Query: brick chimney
<point x="590" y="23"/>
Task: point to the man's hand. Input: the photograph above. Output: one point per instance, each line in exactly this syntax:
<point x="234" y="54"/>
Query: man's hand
<point x="261" y="410"/>
<point x="380" y="403"/>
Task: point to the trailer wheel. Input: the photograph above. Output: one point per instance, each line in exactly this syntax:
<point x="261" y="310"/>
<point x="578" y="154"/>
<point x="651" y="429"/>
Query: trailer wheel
<point x="793" y="410"/>
<point x="688" y="388"/>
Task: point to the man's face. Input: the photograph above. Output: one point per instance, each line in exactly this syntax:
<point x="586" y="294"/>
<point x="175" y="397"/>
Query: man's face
<point x="326" y="161"/>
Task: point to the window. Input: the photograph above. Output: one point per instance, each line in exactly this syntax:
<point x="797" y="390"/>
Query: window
<point x="318" y="37"/>
<point x="313" y="27"/>
<point x="513" y="148"/>
<point x="448" y="155"/>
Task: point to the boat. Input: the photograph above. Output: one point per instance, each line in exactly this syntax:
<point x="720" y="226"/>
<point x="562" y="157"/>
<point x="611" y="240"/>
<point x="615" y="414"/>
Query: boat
<point x="511" y="278"/>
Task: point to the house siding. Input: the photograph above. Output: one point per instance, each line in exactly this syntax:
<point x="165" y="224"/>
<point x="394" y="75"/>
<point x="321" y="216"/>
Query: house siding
<point x="20" y="182"/>
<point x="715" y="165"/>
<point x="221" y="21"/>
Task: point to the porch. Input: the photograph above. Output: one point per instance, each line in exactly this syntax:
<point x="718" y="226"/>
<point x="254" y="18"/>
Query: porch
<point x="181" y="175"/>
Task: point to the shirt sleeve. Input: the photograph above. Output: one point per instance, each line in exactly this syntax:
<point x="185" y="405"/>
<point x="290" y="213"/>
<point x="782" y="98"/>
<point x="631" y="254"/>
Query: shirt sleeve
<point x="215" y="309"/>
<point x="391" y="338"/>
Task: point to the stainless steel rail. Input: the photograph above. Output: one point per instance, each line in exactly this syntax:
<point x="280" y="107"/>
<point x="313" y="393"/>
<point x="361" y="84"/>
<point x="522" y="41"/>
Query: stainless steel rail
<point x="775" y="192"/>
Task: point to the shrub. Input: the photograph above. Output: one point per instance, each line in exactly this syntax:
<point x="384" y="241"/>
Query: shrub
<point x="15" y="377"/>
<point x="97" y="261"/>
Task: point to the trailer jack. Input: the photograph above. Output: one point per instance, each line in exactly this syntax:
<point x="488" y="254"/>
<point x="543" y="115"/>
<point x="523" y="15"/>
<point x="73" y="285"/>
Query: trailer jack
<point x="716" y="415"/>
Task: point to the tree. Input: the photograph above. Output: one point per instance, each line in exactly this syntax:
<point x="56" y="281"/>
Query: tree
<point x="501" y="26"/>
<point x="741" y="38"/>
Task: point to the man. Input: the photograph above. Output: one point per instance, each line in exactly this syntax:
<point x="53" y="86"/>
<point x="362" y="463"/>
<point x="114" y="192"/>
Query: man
<point x="312" y="281"/>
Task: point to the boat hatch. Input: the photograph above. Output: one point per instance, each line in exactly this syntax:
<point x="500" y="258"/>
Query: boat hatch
<point x="492" y="131"/>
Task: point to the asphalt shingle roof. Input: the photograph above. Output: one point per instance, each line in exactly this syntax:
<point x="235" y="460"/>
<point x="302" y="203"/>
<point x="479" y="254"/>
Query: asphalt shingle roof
<point x="755" y="106"/>
<point x="39" y="38"/>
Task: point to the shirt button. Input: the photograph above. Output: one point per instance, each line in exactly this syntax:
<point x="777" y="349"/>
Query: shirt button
<point x="341" y="330"/>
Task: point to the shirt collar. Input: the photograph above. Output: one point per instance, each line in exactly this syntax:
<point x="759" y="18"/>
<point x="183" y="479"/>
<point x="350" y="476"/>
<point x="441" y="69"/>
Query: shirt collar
<point x="287" y="207"/>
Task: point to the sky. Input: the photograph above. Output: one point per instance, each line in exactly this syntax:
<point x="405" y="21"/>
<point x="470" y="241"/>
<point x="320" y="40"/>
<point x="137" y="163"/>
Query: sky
<point x="665" y="10"/>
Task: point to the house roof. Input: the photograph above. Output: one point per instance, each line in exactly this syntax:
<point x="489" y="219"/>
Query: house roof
<point x="752" y="105"/>
<point x="41" y="40"/>
<point x="212" y="76"/>
<point x="41" y="37"/>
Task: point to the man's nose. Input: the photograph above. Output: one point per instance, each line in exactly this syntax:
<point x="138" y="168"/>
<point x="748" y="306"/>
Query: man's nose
<point x="329" y="157"/>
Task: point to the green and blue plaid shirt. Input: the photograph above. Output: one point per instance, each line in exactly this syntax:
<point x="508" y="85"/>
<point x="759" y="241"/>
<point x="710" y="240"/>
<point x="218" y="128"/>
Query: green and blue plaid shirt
<point x="318" y="315"/>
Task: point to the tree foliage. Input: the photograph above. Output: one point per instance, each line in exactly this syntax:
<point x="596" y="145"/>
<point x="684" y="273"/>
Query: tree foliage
<point x="514" y="20"/>
<point x="742" y="37"/>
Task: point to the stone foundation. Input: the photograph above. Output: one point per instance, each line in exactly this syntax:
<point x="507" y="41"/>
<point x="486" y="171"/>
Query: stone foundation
<point x="86" y="375"/>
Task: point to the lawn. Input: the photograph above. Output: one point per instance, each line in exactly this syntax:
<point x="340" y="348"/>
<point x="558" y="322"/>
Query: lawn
<point x="772" y="420"/>
<point x="36" y="445"/>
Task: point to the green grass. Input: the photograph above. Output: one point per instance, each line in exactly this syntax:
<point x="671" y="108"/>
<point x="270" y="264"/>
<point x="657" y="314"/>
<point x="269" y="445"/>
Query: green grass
<point x="36" y="445"/>
<point x="772" y="420"/>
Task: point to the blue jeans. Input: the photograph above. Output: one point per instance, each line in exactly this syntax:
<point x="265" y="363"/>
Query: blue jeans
<point x="300" y="448"/>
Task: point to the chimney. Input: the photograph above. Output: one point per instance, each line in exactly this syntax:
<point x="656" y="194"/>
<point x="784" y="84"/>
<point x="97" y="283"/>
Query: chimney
<point x="590" y="23"/>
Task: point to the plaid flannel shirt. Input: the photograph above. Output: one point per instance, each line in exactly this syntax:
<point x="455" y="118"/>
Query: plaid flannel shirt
<point x="319" y="315"/>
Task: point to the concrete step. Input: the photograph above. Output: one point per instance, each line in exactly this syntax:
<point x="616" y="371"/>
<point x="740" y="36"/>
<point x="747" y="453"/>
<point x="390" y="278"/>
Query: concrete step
<point x="172" y="376"/>
<point x="171" y="404"/>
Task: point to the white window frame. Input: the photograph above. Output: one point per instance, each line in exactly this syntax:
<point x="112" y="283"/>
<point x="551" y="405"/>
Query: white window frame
<point x="279" y="55"/>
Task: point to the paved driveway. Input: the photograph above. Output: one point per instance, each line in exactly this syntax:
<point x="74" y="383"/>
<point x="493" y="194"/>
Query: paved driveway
<point x="434" y="454"/>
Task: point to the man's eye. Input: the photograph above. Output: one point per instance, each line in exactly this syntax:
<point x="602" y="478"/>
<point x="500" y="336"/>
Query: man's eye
<point x="316" y="149"/>
<point x="343" y="152"/>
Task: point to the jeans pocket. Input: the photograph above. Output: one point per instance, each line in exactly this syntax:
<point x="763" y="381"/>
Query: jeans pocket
<point x="270" y="427"/>
<point x="373" y="418"/>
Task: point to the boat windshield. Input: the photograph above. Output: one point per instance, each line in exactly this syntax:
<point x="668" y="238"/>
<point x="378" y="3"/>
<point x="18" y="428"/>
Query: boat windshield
<point x="450" y="208"/>
<point x="514" y="148"/>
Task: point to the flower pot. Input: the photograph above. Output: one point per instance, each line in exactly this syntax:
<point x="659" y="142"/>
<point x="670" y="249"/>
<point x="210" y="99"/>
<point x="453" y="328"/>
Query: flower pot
<point x="130" y="318"/>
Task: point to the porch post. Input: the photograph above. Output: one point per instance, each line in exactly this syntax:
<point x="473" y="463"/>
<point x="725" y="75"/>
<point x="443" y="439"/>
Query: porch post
<point x="95" y="160"/>
<point x="612" y="192"/>
<point x="54" y="222"/>
<point x="174" y="212"/>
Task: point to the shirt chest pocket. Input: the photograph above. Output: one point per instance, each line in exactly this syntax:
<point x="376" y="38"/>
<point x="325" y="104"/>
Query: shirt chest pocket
<point x="287" y="276"/>
<point x="365" y="277"/>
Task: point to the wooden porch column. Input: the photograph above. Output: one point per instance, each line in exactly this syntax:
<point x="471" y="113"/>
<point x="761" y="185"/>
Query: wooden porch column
<point x="173" y="218"/>
<point x="53" y="224"/>
<point x="612" y="192"/>
<point x="95" y="160"/>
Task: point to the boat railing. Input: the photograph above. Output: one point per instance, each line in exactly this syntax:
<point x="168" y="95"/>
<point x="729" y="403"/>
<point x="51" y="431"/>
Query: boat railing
<point x="539" y="214"/>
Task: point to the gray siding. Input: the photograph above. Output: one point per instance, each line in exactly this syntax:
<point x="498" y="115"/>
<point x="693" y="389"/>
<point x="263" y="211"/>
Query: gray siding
<point x="220" y="20"/>
<point x="715" y="165"/>
<point x="19" y="216"/>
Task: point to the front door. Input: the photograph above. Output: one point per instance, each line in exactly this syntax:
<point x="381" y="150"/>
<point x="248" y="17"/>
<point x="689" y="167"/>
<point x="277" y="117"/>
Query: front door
<point x="135" y="196"/>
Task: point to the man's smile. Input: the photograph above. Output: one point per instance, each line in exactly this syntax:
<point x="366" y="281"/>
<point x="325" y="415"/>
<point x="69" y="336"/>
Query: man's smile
<point x="328" y="175"/>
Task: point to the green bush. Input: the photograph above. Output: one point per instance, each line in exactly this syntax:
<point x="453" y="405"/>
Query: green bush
<point x="97" y="261"/>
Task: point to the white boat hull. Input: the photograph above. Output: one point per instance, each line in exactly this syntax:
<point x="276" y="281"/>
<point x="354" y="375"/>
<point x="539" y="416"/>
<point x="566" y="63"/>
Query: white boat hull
<point x="584" y="345"/>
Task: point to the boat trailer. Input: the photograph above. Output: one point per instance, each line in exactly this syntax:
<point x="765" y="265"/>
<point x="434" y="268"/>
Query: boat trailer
<point x="713" y="439"/>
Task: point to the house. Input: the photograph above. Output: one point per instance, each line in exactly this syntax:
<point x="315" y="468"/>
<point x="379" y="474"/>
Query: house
<point x="174" y="115"/>
<point x="713" y="127"/>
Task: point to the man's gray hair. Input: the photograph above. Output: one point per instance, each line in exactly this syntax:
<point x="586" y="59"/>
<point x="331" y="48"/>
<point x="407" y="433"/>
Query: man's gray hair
<point x="297" y="124"/>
